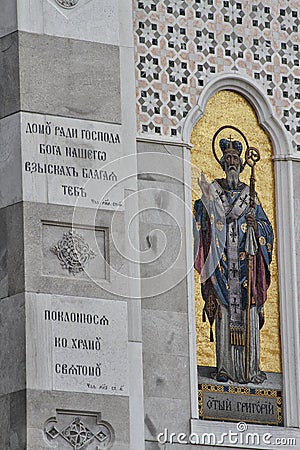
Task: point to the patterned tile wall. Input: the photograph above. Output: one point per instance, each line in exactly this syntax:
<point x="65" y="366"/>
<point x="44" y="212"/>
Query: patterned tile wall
<point x="182" y="44"/>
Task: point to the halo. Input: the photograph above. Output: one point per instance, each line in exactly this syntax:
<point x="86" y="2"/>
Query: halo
<point x="218" y="132"/>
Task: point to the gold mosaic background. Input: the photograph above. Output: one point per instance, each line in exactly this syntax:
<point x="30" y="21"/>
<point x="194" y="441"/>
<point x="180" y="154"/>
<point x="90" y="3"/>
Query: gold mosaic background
<point x="230" y="108"/>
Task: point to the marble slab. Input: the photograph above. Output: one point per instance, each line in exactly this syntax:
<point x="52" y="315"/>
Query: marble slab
<point x="8" y="17"/>
<point x="10" y="161"/>
<point x="71" y="162"/>
<point x="77" y="344"/>
<point x="79" y="252"/>
<point x="89" y="20"/>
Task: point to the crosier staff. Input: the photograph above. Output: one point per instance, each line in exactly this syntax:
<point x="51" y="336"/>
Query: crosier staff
<point x="252" y="156"/>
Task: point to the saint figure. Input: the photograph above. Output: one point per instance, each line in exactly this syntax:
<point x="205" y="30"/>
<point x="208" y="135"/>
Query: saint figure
<point x="223" y="215"/>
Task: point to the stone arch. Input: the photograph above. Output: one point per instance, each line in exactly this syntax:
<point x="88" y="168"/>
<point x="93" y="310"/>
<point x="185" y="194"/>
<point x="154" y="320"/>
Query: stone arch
<point x="256" y="97"/>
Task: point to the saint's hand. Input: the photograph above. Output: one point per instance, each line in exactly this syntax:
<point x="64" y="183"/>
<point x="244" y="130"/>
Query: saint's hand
<point x="251" y="221"/>
<point x="204" y="185"/>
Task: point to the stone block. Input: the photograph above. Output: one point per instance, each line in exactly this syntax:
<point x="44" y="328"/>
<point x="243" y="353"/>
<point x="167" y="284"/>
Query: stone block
<point x="165" y="332"/>
<point x="12" y="338"/>
<point x="44" y="405"/>
<point x="18" y="431"/>
<point x="72" y="162"/>
<point x="76" y="344"/>
<point x="86" y="84"/>
<point x="158" y="162"/>
<point x="89" y="20"/>
<point x="10" y="159"/>
<point x="161" y="284"/>
<point x="3" y="255"/>
<point x="170" y="299"/>
<point x="15" y="248"/>
<point x="162" y="203"/>
<point x="11" y="250"/>
<point x="162" y="233"/>
<point x="298" y="250"/>
<point x="154" y="446"/>
<point x="55" y="238"/>
<point x="13" y="421"/>
<point x="297" y="218"/>
<point x="86" y="221"/>
<point x="8" y="17"/>
<point x="162" y="249"/>
<point x="9" y="74"/>
<point x="161" y="413"/>
<point x="166" y="376"/>
<point x="4" y="421"/>
<point x="296" y="179"/>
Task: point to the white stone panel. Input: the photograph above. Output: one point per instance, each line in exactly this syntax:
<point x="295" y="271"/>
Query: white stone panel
<point x="77" y="344"/>
<point x="71" y="162"/>
<point x="56" y="261"/>
<point x="8" y="17"/>
<point x="10" y="161"/>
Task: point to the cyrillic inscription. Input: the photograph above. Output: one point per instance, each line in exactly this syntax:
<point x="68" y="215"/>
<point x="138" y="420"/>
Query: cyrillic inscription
<point x="80" y="344"/>
<point x="72" y="162"/>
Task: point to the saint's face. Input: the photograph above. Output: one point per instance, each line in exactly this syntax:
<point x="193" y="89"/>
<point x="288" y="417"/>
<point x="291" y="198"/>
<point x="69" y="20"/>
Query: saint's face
<point x="232" y="161"/>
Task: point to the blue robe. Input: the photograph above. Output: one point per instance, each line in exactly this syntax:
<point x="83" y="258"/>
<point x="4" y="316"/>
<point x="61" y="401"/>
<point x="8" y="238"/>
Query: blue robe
<point x="212" y="241"/>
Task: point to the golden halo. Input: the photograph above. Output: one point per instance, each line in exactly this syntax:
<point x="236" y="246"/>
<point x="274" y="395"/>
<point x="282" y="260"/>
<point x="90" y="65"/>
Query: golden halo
<point x="218" y="132"/>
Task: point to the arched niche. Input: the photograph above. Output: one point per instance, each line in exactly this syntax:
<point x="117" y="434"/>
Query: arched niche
<point x="285" y="230"/>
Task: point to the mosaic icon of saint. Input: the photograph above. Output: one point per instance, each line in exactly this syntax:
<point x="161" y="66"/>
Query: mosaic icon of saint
<point x="234" y="252"/>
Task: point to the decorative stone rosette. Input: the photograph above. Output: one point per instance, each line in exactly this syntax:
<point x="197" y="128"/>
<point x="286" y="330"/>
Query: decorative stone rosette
<point x="67" y="3"/>
<point x="73" y="252"/>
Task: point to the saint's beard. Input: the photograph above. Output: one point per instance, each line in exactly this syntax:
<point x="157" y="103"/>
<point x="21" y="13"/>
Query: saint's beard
<point x="232" y="176"/>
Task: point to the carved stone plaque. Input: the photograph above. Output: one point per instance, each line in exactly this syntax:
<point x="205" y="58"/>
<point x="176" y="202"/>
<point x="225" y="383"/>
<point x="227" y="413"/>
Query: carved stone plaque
<point x="79" y="430"/>
<point x="73" y="252"/>
<point x="72" y="162"/>
<point x="79" y="344"/>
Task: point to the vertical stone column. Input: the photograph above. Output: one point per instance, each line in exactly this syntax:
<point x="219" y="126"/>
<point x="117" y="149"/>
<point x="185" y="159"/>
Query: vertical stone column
<point x="165" y="214"/>
<point x="70" y="308"/>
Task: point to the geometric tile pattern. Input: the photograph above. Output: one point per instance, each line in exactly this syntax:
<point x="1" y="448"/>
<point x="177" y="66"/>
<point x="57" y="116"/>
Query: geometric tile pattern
<point x="182" y="44"/>
<point x="149" y="68"/>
